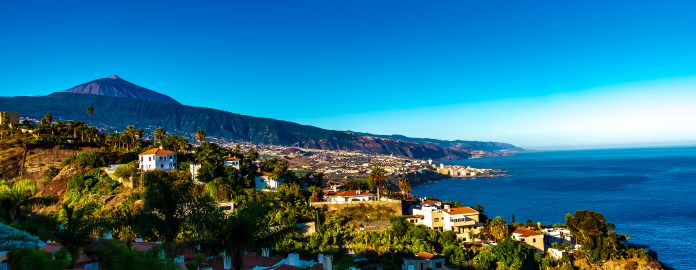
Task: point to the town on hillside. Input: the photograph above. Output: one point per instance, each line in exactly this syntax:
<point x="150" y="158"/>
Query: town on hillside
<point x="73" y="197"/>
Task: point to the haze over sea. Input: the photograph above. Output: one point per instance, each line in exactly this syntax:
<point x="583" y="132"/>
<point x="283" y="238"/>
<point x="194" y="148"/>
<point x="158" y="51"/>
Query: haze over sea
<point x="648" y="193"/>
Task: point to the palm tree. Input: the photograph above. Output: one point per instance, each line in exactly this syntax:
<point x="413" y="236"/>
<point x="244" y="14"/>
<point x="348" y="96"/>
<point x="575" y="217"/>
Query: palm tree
<point x="74" y="231"/>
<point x="90" y="111"/>
<point x="378" y="177"/>
<point x="159" y="135"/>
<point x="200" y="136"/>
<point x="133" y="136"/>
<point x="498" y="228"/>
<point x="404" y="186"/>
<point x="14" y="197"/>
<point x="247" y="228"/>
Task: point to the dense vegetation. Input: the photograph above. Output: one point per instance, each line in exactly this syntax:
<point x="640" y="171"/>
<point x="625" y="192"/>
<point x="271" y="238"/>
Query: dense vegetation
<point x="183" y="214"/>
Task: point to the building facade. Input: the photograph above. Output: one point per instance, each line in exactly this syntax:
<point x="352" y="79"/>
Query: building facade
<point x="463" y="221"/>
<point x="425" y="261"/>
<point x="530" y="237"/>
<point x="157" y="159"/>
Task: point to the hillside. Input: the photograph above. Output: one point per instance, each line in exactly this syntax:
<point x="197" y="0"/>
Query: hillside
<point x="116" y="110"/>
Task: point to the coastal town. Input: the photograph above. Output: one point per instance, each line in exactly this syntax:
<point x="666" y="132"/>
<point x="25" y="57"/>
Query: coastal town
<point x="271" y="207"/>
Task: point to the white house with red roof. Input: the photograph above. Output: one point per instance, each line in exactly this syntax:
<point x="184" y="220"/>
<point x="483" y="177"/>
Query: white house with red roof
<point x="157" y="159"/>
<point x="530" y="237"/>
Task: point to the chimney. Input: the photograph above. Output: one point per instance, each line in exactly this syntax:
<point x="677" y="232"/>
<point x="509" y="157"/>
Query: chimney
<point x="539" y="225"/>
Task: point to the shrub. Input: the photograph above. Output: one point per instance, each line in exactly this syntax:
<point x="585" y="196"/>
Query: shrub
<point x="50" y="172"/>
<point x="90" y="159"/>
<point x="126" y="171"/>
<point x="35" y="259"/>
<point x="116" y="255"/>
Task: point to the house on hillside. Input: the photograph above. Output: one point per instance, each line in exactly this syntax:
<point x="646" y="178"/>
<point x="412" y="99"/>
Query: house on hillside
<point x="530" y="237"/>
<point x="234" y="162"/>
<point x="463" y="221"/>
<point x="265" y="183"/>
<point x="157" y="159"/>
<point x="425" y="261"/>
<point x="351" y="196"/>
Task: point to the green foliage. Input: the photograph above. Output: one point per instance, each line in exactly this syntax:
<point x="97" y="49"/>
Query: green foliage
<point x="357" y="184"/>
<point x="49" y="173"/>
<point x="177" y="143"/>
<point x="485" y="260"/>
<point x="457" y="256"/>
<point x="210" y="154"/>
<point x="127" y="170"/>
<point x="76" y="226"/>
<point x="515" y="255"/>
<point x="115" y="255"/>
<point x="91" y="159"/>
<point x="15" y="197"/>
<point x="92" y="183"/>
<point x="377" y="178"/>
<point x="599" y="242"/>
<point x="498" y="228"/>
<point x="35" y="259"/>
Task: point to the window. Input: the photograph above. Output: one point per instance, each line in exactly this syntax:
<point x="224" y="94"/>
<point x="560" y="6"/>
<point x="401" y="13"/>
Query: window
<point x="162" y="166"/>
<point x="437" y="219"/>
<point x="438" y="265"/>
<point x="534" y="240"/>
<point x="149" y="158"/>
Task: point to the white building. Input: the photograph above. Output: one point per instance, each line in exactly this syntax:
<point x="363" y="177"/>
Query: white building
<point x="463" y="221"/>
<point x="351" y="196"/>
<point x="425" y="261"/>
<point x="157" y="159"/>
<point x="232" y="162"/>
<point x="265" y="183"/>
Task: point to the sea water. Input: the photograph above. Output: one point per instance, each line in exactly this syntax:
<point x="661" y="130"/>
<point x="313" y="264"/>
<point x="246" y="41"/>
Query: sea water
<point x="649" y="194"/>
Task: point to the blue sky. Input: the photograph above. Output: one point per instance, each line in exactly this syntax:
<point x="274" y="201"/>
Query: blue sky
<point x="485" y="70"/>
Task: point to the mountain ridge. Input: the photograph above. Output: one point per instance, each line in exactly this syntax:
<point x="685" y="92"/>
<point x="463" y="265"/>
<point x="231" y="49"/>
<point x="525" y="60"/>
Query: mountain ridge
<point x="113" y="113"/>
<point x="114" y="86"/>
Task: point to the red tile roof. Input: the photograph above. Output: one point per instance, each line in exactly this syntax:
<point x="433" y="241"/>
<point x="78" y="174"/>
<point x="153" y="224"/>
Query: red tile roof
<point x="354" y="193"/>
<point x="414" y="216"/>
<point x="427" y="256"/>
<point x="231" y="159"/>
<point x="252" y="259"/>
<point x="431" y="201"/>
<point x="143" y="246"/>
<point x="525" y="232"/>
<point x="157" y="151"/>
<point x="460" y="211"/>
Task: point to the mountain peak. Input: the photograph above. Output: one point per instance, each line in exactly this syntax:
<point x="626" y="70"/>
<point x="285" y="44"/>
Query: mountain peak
<point x="115" y="86"/>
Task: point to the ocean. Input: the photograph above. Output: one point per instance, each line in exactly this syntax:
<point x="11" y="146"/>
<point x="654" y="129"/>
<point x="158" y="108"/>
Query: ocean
<point x="648" y="193"/>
